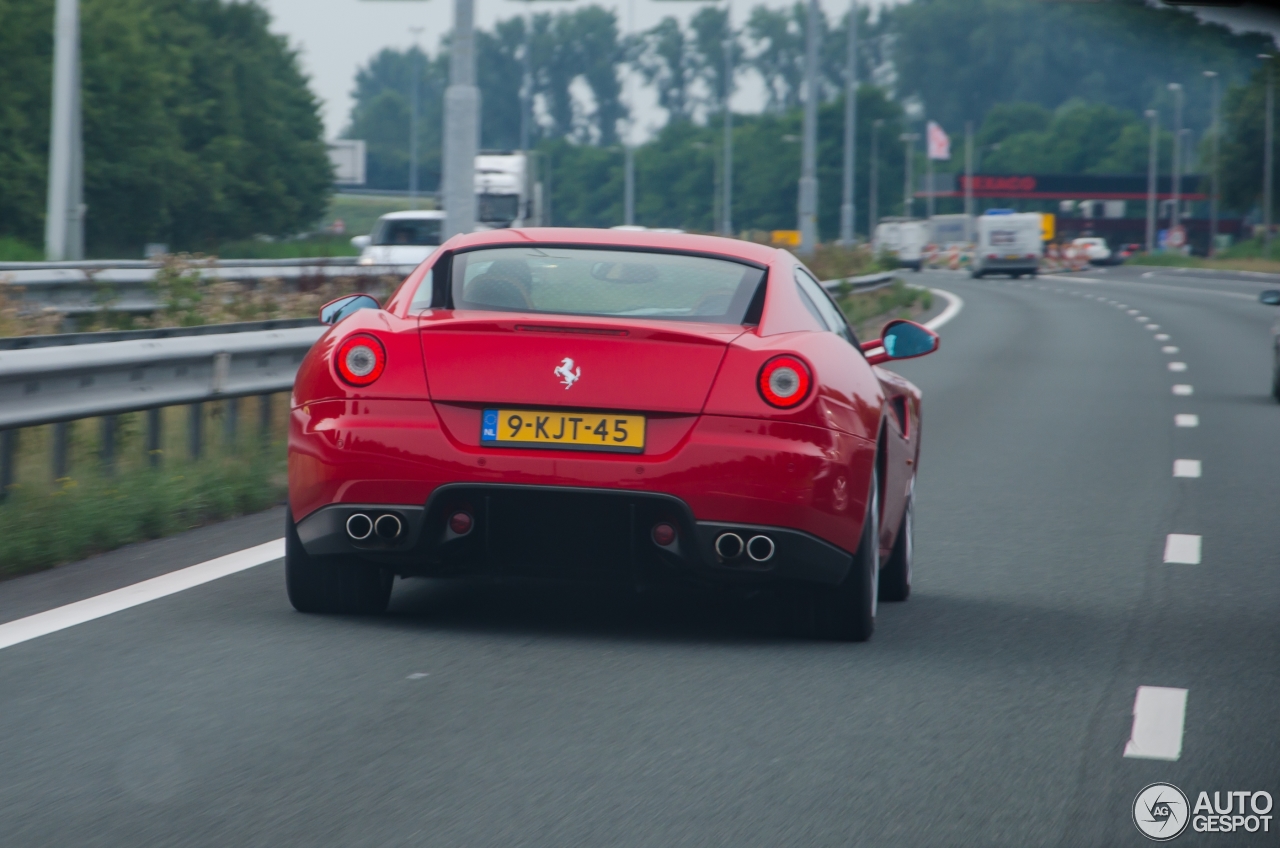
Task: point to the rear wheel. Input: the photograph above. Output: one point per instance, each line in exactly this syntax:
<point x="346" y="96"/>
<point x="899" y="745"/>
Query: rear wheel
<point x="847" y="612"/>
<point x="895" y="577"/>
<point x="331" y="584"/>
<point x="976" y="274"/>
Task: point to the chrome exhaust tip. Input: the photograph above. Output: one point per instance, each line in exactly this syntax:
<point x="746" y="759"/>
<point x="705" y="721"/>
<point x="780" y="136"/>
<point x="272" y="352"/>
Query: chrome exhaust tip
<point x="388" y="526"/>
<point x="359" y="526"/>
<point x="729" y="546"/>
<point x="760" y="548"/>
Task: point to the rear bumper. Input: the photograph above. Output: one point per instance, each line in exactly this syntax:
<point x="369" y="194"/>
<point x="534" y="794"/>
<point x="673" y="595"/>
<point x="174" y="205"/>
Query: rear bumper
<point x="1002" y="266"/>
<point x="397" y="454"/>
<point x="587" y="534"/>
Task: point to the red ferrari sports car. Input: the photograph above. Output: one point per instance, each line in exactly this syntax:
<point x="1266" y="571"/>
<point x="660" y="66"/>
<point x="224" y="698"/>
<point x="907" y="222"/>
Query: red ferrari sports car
<point x="605" y="405"/>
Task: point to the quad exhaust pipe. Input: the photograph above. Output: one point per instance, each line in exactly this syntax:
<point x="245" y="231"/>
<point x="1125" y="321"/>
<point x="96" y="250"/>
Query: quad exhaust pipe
<point x="758" y="548"/>
<point x="386" y="527"/>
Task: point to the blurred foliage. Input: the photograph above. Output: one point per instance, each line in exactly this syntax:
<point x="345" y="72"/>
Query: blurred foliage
<point x="295" y="248"/>
<point x="961" y="57"/>
<point x="833" y="261"/>
<point x="199" y="126"/>
<point x="1244" y="140"/>
<point x="15" y="250"/>
<point x="43" y="526"/>
<point x="868" y="312"/>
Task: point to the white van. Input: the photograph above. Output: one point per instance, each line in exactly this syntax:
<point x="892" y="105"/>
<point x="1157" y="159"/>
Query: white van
<point x="904" y="238"/>
<point x="1008" y="243"/>
<point x="402" y="238"/>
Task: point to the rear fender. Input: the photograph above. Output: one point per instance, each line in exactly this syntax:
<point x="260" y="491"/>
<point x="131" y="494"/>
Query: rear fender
<point x="404" y="376"/>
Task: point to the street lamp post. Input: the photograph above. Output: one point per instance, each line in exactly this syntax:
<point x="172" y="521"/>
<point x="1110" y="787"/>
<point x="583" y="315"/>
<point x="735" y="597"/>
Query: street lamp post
<point x="1154" y="118"/>
<point x="1176" y="217"/>
<point x="1267" y="154"/>
<point x="968" y="182"/>
<point x="848" y="214"/>
<point x="461" y="124"/>
<point x="415" y="71"/>
<point x="1214" y="188"/>
<point x="908" y="205"/>
<point x="64" y="218"/>
<point x="808" y="199"/>
<point x="873" y="203"/>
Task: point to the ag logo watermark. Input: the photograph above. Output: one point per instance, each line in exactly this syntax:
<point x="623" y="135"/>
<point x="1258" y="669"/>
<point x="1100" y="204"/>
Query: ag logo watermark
<point x="1161" y="812"/>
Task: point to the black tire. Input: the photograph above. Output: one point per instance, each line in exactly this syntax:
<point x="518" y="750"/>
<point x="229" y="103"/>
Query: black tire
<point x="332" y="584"/>
<point x="847" y="612"/>
<point x="1015" y="276"/>
<point x="977" y="275"/>
<point x="895" y="576"/>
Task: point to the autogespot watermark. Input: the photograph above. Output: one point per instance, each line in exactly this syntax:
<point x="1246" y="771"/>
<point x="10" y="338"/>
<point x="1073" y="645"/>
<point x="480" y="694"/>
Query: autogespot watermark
<point x="1162" y="812"/>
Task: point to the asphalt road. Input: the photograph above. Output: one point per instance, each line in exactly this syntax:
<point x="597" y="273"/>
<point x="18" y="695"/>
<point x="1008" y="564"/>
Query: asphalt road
<point x="993" y="708"/>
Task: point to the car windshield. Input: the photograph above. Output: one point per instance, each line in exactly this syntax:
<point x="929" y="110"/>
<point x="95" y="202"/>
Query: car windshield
<point x="412" y="231"/>
<point x="616" y="283"/>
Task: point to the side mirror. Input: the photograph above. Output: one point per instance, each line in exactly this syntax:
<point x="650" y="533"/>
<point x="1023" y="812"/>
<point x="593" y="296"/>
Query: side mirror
<point x="1271" y="297"/>
<point x="361" y="242"/>
<point x="901" y="339"/>
<point x="335" y="310"/>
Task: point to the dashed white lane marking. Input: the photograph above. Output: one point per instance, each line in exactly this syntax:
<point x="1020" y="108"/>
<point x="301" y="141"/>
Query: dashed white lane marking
<point x="1186" y="468"/>
<point x="1141" y="318"/>
<point x="1168" y="349"/>
<point x="60" y="618"/>
<point x="1153" y="326"/>
<point x="1182" y="549"/>
<point x="1183" y="390"/>
<point x="418" y="675"/>
<point x="1183" y="419"/>
<point x="1159" y="714"/>
<point x="1133" y="312"/>
<point x="1162" y="337"/>
<point x="1177" y="366"/>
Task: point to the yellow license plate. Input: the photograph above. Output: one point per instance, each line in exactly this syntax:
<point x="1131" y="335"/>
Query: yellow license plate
<point x="567" y="430"/>
<point x="1012" y="256"/>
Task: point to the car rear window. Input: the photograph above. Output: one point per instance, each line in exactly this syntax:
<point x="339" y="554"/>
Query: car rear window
<point x="614" y="283"/>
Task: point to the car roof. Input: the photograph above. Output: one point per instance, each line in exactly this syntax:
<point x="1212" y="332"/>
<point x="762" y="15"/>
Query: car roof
<point x="414" y="215"/>
<point x="588" y="237"/>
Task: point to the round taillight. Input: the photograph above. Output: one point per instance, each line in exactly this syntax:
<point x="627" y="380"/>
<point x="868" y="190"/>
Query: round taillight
<point x="361" y="360"/>
<point x="784" y="381"/>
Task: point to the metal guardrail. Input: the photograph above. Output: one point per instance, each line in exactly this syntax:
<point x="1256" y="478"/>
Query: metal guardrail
<point x="76" y="288"/>
<point x="867" y="282"/>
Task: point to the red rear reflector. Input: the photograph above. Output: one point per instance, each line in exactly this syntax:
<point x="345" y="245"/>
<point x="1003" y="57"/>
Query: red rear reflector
<point x="784" y="381"/>
<point x="663" y="534"/>
<point x="360" y="360"/>
<point x="460" y="523"/>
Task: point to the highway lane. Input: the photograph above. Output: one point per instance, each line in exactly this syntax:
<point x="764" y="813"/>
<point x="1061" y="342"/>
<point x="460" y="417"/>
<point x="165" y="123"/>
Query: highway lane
<point x="993" y="708"/>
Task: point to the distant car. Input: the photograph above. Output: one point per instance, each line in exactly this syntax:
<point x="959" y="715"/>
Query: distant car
<point x="604" y="405"/>
<point x="1271" y="297"/>
<point x="1125" y="251"/>
<point x="1095" y="250"/>
<point x="401" y="238"/>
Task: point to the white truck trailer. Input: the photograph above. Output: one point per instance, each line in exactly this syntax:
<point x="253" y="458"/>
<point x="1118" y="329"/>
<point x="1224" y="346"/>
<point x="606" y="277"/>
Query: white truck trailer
<point x="508" y="193"/>
<point x="1008" y="243"/>
<point x="903" y="238"/>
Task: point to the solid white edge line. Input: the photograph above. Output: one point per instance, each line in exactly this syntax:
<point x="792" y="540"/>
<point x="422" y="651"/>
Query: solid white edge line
<point x="954" y="305"/>
<point x="1159" y="717"/>
<point x="60" y="618"/>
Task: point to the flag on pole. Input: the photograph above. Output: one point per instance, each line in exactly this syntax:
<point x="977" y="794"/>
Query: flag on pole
<point x="939" y="142"/>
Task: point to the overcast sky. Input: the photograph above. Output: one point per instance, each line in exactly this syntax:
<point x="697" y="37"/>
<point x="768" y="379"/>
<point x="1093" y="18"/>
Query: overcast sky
<point x="337" y="36"/>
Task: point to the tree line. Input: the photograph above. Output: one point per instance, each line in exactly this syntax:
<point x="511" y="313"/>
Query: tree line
<point x="1050" y="88"/>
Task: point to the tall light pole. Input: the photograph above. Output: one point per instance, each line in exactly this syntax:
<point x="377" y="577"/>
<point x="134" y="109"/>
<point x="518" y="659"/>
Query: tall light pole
<point x="908" y="204"/>
<point x="726" y="182"/>
<point x="1176" y="217"/>
<point x="461" y="124"/>
<point x="873" y="201"/>
<point x="415" y="70"/>
<point x="1213" y="190"/>
<point x="848" y="214"/>
<point x="64" y="212"/>
<point x="1267" y="154"/>
<point x="1154" y="118"/>
<point x="808" y="194"/>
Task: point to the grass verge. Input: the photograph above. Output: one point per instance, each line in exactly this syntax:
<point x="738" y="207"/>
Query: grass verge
<point x="42" y="527"/>
<point x="868" y="312"/>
